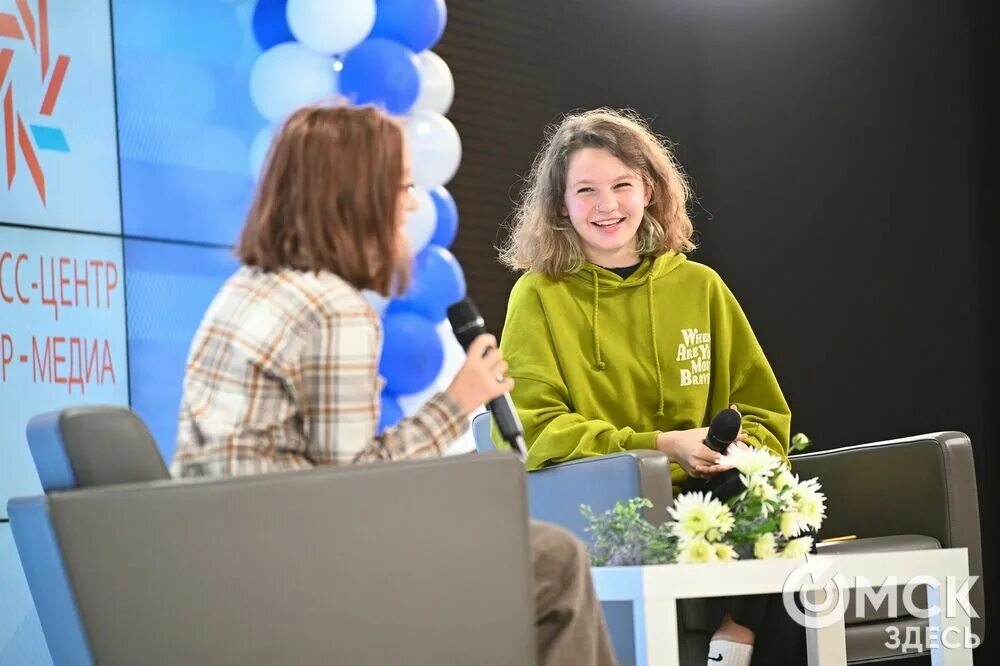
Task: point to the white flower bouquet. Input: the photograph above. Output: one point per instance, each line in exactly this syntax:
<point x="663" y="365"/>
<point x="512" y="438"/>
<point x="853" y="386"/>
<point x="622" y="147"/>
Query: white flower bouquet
<point x="769" y="519"/>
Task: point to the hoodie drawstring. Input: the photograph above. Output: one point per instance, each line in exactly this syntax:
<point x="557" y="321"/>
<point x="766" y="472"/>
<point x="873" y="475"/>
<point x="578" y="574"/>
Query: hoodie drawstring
<point x="652" y="335"/>
<point x="599" y="362"/>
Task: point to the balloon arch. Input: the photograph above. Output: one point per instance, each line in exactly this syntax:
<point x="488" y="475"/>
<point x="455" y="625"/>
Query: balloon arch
<point x="379" y="53"/>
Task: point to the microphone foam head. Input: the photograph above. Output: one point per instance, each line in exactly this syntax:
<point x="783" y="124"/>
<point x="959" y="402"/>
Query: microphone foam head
<point x="466" y="322"/>
<point x="462" y="312"/>
<point x="723" y="429"/>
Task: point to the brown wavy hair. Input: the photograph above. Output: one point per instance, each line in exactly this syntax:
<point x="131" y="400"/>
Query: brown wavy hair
<point x="542" y="239"/>
<point x="327" y="199"/>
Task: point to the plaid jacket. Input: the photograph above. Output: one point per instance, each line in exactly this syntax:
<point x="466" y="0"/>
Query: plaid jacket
<point x="282" y="374"/>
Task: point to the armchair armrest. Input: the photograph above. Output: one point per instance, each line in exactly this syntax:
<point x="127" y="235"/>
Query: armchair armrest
<point x="556" y="493"/>
<point x="923" y="485"/>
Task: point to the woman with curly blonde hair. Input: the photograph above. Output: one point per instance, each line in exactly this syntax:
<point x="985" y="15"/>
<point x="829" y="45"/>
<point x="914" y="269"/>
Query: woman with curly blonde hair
<point x="542" y="240"/>
<point x="615" y="340"/>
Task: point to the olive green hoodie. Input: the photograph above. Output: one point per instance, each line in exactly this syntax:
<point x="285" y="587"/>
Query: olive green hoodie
<point x="603" y="364"/>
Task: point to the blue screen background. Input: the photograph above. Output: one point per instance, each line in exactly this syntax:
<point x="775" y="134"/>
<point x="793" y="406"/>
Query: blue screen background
<point x="157" y="121"/>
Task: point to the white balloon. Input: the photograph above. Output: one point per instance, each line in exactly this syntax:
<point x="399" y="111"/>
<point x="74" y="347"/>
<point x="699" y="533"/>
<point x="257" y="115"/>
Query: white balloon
<point x="378" y="302"/>
<point x="288" y="76"/>
<point x="330" y="26"/>
<point x="454" y="359"/>
<point x="420" y="223"/>
<point x="454" y="355"/>
<point x="437" y="86"/>
<point x="435" y="146"/>
<point x="258" y="149"/>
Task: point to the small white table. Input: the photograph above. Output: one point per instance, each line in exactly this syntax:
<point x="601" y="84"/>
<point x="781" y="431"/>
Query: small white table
<point x="654" y="591"/>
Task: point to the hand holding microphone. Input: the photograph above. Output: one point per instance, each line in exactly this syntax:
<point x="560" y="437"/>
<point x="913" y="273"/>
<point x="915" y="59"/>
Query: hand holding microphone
<point x="724" y="482"/>
<point x="486" y="363"/>
<point x="483" y="376"/>
<point x="697" y="450"/>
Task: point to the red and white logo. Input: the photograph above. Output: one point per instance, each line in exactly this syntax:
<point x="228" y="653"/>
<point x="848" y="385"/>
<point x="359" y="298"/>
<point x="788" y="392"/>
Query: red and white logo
<point x="28" y="127"/>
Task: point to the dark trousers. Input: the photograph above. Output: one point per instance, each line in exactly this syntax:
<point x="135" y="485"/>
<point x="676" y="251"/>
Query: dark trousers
<point x="778" y="638"/>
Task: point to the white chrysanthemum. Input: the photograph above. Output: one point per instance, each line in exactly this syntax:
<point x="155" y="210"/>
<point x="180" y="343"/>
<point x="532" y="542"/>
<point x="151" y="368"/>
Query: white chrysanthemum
<point x="724" y="552"/>
<point x="810" y="484"/>
<point x="805" y="499"/>
<point x="765" y="548"/>
<point x="797" y="547"/>
<point x="792" y="524"/>
<point x="698" y="514"/>
<point x="799" y="489"/>
<point x="812" y="508"/>
<point x="760" y="478"/>
<point x="696" y="551"/>
<point x="785" y="479"/>
<point x="723" y="520"/>
<point x="761" y="487"/>
<point x="788" y="525"/>
<point x="750" y="460"/>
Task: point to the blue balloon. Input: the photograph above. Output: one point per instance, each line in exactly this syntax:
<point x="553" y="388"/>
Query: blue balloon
<point x="270" y="26"/>
<point x="412" y="354"/>
<point x="381" y="72"/>
<point x="391" y="413"/>
<point x="438" y="282"/>
<point x="447" y="217"/>
<point x="417" y="24"/>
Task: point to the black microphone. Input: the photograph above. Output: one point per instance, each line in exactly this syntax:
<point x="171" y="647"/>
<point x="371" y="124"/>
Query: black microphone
<point x="468" y="325"/>
<point x="723" y="430"/>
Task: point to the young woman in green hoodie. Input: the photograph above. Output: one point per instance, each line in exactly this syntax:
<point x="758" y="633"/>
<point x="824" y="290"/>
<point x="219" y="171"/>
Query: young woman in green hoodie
<point x="615" y="340"/>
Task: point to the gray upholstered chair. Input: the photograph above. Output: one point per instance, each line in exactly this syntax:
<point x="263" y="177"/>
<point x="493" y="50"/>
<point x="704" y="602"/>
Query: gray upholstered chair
<point x="904" y="494"/>
<point x="422" y="563"/>
<point x="912" y="493"/>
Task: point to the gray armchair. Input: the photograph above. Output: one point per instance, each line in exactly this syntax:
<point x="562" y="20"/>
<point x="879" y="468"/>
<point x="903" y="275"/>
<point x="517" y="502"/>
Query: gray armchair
<point x="381" y="564"/>
<point x="905" y="494"/>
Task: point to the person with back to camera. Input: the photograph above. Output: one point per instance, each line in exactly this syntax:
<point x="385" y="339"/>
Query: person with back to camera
<point x="282" y="372"/>
<point x="617" y="342"/>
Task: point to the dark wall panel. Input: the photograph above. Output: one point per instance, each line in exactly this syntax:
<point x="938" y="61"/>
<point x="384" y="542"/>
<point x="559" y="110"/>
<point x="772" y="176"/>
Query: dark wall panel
<point x="843" y="155"/>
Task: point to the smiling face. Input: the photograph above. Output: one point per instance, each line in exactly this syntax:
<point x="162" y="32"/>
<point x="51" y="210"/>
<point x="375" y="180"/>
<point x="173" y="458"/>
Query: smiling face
<point x="605" y="201"/>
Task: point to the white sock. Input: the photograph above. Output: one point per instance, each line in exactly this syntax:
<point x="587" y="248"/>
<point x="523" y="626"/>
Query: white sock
<point x="728" y="653"/>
